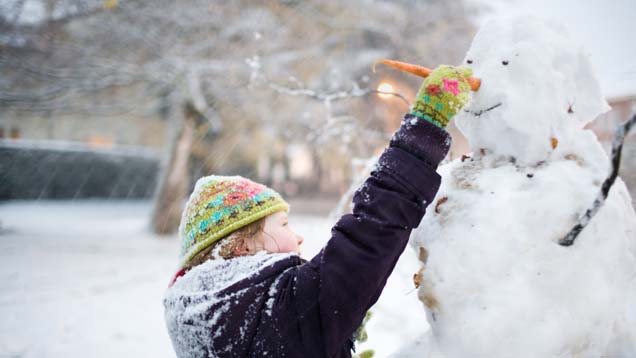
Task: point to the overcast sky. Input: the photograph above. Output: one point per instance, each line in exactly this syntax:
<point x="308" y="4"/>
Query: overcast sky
<point x="606" y="28"/>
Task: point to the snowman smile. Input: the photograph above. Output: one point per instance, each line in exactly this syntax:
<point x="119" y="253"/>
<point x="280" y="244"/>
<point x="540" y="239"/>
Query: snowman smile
<point x="482" y="111"/>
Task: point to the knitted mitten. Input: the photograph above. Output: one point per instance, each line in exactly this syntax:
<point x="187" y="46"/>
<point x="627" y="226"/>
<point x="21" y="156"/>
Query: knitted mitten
<point x="444" y="93"/>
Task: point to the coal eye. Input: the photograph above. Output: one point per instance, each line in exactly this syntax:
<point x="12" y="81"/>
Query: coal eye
<point x="504" y="62"/>
<point x="469" y="61"/>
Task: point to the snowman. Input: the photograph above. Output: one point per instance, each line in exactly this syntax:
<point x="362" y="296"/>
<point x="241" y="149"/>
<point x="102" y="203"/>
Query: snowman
<point x="494" y="280"/>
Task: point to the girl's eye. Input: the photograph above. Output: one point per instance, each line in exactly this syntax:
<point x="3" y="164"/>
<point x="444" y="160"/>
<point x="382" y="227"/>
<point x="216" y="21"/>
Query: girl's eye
<point x="469" y="61"/>
<point x="504" y="62"/>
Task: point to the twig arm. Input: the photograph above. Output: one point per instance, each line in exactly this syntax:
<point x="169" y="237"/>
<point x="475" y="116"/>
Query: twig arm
<point x="617" y="148"/>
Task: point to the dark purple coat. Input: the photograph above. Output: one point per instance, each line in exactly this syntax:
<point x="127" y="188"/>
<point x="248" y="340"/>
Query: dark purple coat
<point x="290" y="307"/>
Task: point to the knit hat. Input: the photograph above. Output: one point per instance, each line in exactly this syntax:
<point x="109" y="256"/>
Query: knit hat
<point x="220" y="205"/>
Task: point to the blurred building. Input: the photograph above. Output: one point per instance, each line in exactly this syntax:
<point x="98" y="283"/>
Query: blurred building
<point x="111" y="124"/>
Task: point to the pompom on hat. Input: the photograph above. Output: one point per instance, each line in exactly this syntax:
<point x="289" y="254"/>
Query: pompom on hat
<point x="220" y="205"/>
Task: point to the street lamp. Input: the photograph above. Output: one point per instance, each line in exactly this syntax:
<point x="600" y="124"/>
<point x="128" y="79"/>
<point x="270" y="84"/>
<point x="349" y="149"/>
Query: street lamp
<point x="385" y="90"/>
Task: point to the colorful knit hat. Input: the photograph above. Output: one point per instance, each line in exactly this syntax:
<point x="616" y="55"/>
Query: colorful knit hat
<point x="220" y="205"/>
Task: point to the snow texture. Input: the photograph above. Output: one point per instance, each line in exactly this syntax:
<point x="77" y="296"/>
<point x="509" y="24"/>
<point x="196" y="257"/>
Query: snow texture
<point x="82" y="278"/>
<point x="196" y="294"/>
<point x="495" y="281"/>
<point x="85" y="278"/>
<point x="536" y="85"/>
<point x="495" y="268"/>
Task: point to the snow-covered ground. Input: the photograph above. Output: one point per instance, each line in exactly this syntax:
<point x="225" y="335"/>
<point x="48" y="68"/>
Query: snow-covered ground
<point x="82" y="279"/>
<point x="86" y="279"/>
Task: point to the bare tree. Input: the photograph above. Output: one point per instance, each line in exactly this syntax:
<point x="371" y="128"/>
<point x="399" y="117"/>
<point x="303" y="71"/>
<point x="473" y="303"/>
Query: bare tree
<point x="224" y="69"/>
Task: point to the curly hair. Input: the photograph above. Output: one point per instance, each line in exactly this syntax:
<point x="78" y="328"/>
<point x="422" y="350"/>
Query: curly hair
<point x="225" y="248"/>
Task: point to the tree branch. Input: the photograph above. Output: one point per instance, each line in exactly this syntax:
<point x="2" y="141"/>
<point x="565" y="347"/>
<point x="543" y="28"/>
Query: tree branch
<point x="617" y="147"/>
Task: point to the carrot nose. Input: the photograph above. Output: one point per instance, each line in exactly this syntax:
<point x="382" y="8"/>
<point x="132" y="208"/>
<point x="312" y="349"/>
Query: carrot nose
<point x="422" y="71"/>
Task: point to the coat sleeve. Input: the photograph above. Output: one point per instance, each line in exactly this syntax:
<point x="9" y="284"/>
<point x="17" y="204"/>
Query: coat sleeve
<point x="333" y="291"/>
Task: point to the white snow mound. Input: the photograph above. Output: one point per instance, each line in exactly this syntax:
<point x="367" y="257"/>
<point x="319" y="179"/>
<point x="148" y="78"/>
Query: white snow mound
<point x="495" y="281"/>
<point x="536" y="85"/>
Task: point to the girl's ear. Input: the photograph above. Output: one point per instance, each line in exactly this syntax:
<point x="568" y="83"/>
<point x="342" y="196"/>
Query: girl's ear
<point x="241" y="248"/>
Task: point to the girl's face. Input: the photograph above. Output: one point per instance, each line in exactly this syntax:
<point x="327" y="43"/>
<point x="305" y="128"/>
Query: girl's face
<point x="277" y="236"/>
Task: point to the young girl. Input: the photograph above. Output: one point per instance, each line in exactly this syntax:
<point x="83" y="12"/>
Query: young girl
<point x="243" y="291"/>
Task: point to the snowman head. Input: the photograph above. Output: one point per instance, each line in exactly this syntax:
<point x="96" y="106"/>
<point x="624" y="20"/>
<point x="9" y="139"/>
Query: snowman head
<point x="536" y="85"/>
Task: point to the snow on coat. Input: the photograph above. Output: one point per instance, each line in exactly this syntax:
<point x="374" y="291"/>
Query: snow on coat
<point x="279" y="305"/>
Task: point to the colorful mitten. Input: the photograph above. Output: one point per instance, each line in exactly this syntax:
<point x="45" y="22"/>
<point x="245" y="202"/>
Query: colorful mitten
<point x="444" y="93"/>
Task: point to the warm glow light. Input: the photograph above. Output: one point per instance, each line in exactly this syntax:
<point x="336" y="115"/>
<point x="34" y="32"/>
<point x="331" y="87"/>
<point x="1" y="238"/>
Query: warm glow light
<point x="385" y="87"/>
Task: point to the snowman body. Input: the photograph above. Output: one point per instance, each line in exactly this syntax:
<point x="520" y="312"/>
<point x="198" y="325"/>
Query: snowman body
<point x="497" y="283"/>
<point x="494" y="280"/>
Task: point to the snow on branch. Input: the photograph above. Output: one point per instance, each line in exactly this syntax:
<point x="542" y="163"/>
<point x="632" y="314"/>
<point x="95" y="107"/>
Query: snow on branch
<point x="617" y="147"/>
<point x="326" y="97"/>
<point x="257" y="75"/>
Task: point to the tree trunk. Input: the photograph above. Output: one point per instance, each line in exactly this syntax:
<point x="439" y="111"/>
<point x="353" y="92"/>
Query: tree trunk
<point x="175" y="181"/>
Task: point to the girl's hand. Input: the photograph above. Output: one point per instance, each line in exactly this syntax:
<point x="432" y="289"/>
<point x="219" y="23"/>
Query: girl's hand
<point x="443" y="94"/>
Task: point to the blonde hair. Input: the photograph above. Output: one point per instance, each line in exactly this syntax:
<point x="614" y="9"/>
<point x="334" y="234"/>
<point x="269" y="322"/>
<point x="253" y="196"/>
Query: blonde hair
<point x="225" y="248"/>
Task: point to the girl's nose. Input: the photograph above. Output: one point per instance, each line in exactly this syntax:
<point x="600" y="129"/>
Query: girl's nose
<point x="300" y="239"/>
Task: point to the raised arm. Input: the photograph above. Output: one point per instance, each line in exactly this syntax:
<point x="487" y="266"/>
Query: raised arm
<point x="333" y="291"/>
<point x="365" y="245"/>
